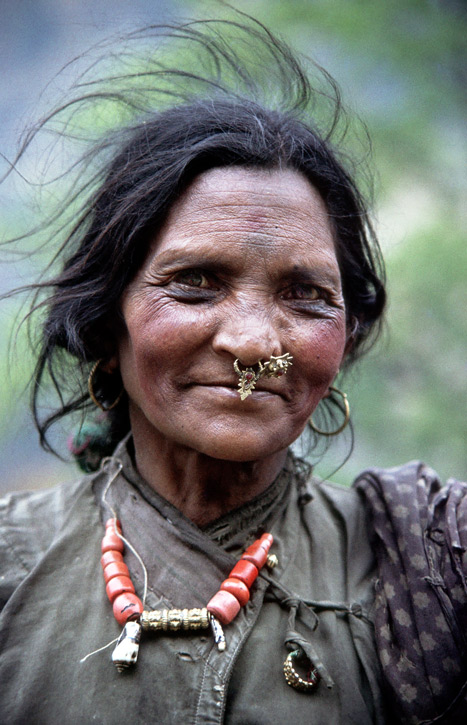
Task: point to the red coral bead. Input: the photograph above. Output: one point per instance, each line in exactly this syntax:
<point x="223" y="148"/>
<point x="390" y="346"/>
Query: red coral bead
<point x="115" y="568"/>
<point x="110" y="557"/>
<point x="111" y="542"/>
<point x="224" y="606"/>
<point x="118" y="585"/>
<point x="245" y="571"/>
<point x="113" y="524"/>
<point x="238" y="589"/>
<point x="127" y="606"/>
<point x="258" y="558"/>
<point x="264" y="544"/>
<point x="253" y="548"/>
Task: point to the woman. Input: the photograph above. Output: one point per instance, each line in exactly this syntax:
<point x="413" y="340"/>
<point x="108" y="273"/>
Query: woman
<point x="221" y="275"/>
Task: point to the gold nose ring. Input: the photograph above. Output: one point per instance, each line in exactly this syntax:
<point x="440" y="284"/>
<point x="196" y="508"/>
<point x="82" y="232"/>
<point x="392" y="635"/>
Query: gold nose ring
<point x="275" y="367"/>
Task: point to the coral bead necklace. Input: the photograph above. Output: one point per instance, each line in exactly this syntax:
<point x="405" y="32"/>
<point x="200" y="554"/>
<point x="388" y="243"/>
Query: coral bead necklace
<point x="129" y="610"/>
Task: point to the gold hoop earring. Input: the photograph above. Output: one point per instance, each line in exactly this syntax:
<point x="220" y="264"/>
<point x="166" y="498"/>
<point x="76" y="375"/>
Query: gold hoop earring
<point x="91" y="390"/>
<point x="346" y="417"/>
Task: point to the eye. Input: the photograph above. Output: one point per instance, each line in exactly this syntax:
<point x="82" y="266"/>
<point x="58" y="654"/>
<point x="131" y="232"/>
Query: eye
<point x="192" y="278"/>
<point x="306" y="292"/>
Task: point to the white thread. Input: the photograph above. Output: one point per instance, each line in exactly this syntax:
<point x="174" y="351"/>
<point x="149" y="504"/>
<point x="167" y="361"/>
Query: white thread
<point x="104" y="463"/>
<point x="114" y="515"/>
<point x="96" y="651"/>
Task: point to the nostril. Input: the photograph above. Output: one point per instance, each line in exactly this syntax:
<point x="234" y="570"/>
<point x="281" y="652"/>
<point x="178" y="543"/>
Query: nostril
<point x="251" y="360"/>
<point x="248" y="361"/>
<point x="248" y="344"/>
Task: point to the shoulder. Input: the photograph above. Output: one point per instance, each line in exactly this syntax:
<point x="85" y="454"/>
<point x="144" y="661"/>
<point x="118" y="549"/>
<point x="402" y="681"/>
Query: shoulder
<point x="408" y="474"/>
<point x="29" y="522"/>
<point x="344" y="502"/>
<point x="410" y="502"/>
<point x="344" y="497"/>
<point x="413" y="485"/>
<point x="339" y="513"/>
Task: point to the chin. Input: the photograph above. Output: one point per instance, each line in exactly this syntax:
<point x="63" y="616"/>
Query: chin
<point x="242" y="448"/>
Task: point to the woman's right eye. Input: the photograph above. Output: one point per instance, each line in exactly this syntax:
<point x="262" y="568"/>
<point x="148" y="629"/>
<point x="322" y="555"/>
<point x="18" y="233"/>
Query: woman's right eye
<point x="192" y="278"/>
<point x="193" y="285"/>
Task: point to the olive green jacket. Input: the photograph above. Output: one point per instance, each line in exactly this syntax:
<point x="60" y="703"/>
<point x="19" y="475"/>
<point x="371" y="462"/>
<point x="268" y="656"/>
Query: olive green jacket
<point x="56" y="610"/>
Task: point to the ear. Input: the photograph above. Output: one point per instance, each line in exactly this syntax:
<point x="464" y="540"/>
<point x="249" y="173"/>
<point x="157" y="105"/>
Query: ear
<point x="348" y="347"/>
<point x="102" y="341"/>
<point x="110" y="365"/>
<point x="352" y="328"/>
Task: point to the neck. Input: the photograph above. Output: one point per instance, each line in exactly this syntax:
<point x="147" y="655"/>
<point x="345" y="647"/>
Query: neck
<point x="201" y="487"/>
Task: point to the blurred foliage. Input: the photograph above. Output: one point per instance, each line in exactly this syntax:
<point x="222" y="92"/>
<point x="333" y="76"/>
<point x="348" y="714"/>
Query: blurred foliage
<point x="410" y="395"/>
<point x="401" y="66"/>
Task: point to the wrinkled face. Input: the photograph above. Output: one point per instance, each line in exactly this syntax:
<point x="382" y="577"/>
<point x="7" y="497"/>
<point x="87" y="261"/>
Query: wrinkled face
<point x="244" y="267"/>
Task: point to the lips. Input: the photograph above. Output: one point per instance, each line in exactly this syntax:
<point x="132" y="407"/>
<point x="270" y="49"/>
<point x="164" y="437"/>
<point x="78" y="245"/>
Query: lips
<point x="258" y="388"/>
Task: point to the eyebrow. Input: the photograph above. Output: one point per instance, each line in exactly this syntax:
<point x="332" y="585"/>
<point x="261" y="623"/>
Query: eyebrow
<point x="211" y="263"/>
<point x="318" y="274"/>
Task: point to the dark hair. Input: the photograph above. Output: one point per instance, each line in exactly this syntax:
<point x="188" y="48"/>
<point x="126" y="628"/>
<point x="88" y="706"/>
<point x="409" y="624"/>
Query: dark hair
<point x="157" y="158"/>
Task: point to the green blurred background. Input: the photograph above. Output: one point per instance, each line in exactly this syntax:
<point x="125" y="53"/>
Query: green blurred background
<point x="401" y="66"/>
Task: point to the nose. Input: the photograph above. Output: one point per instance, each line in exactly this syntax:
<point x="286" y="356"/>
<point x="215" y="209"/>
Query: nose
<point x="249" y="335"/>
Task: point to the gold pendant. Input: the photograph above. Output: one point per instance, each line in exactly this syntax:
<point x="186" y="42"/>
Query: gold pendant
<point x="247" y="379"/>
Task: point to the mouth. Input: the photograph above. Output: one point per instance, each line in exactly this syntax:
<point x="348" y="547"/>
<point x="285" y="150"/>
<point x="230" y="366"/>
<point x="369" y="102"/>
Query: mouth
<point x="230" y="389"/>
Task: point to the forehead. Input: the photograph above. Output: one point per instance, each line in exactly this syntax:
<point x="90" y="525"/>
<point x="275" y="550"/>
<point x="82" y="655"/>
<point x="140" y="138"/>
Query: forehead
<point x="254" y="208"/>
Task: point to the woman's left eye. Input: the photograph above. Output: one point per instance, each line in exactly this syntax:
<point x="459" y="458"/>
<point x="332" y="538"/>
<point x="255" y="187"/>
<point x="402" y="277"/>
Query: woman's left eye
<point x="192" y="278"/>
<point x="306" y="292"/>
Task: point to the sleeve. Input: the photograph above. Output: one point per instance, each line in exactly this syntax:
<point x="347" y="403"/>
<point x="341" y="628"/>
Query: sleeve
<point x="28" y="523"/>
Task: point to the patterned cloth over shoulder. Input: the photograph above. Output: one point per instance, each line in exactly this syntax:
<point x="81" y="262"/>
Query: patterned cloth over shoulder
<point x="420" y="538"/>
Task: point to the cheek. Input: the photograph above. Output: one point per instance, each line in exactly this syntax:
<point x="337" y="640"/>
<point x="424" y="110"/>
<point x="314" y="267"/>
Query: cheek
<point x="321" y="354"/>
<point x="326" y="346"/>
<point x="154" y="349"/>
